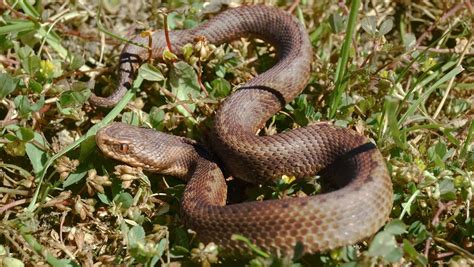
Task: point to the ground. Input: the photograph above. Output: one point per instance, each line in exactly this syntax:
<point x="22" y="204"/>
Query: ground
<point x="398" y="72"/>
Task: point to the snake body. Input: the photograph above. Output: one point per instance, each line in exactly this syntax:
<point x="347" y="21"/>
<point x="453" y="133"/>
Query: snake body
<point x="355" y="211"/>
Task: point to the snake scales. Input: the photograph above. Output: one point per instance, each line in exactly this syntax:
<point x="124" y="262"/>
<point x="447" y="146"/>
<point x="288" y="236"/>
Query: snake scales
<point x="355" y="211"/>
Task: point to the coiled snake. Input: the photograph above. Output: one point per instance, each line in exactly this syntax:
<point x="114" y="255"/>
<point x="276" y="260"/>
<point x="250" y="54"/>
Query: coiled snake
<point x="355" y="211"/>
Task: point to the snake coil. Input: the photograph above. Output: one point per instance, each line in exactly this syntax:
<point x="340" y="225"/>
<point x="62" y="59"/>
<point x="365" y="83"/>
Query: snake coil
<point x="355" y="211"/>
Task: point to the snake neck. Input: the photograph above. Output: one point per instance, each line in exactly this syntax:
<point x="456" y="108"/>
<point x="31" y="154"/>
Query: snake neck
<point x="207" y="188"/>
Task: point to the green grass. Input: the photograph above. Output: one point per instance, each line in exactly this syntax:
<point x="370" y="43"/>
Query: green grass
<point x="399" y="74"/>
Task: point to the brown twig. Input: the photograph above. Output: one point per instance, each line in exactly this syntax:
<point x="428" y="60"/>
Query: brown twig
<point x="150" y="47"/>
<point x="444" y="255"/>
<point x="89" y="37"/>
<point x="175" y="98"/>
<point x="427" y="246"/>
<point x="293" y="6"/>
<point x="167" y="34"/>
<point x="199" y="76"/>
<point x="12" y="191"/>
<point x="61" y="223"/>
<point x="12" y="241"/>
<point x="4" y="123"/>
<point x="457" y="249"/>
<point x="443" y="50"/>
<point x="13" y="204"/>
<point x="8" y="62"/>
<point x="10" y="118"/>
<point x="17" y="13"/>
<point x="442" y="207"/>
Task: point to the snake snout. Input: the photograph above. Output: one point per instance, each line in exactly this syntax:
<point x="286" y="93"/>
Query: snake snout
<point x="114" y="144"/>
<point x="144" y="148"/>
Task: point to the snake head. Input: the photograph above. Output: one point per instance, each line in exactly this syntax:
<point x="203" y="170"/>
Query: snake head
<point x="146" y="148"/>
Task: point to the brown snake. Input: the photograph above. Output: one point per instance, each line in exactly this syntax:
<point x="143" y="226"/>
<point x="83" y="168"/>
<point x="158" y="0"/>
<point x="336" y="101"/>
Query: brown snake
<point x="355" y="211"/>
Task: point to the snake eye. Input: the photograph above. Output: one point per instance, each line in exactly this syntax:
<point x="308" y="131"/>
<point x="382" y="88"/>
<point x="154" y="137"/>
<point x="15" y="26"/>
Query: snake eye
<point x="123" y="148"/>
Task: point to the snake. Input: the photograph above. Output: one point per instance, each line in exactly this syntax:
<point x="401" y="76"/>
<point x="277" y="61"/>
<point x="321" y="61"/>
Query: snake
<point x="360" y="199"/>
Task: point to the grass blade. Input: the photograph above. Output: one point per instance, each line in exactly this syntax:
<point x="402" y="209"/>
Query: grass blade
<point x="427" y="93"/>
<point x="341" y="83"/>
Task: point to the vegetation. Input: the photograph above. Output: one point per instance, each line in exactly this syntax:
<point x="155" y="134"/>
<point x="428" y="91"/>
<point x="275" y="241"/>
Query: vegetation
<point x="398" y="72"/>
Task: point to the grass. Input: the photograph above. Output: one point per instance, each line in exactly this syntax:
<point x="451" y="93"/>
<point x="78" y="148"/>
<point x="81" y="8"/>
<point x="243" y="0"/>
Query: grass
<point x="400" y="74"/>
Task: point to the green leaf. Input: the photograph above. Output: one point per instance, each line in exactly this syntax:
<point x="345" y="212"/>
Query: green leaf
<point x="447" y="189"/>
<point x="384" y="245"/>
<point x="38" y="157"/>
<point x="76" y="176"/>
<point x="184" y="84"/>
<point x="407" y="206"/>
<point x="54" y="41"/>
<point x="386" y="27"/>
<point x="169" y="56"/>
<point x="157" y="116"/>
<point x="390" y="107"/>
<point x="87" y="147"/>
<point x="395" y="227"/>
<point x="187" y="51"/>
<point x="468" y="141"/>
<point x="37" y="105"/>
<point x="74" y="98"/>
<point x="25" y="134"/>
<point x="418" y="230"/>
<point x="5" y="43"/>
<point x="15" y="148"/>
<point x="25" y="107"/>
<point x="75" y="61"/>
<point x="24" y="52"/>
<point x="369" y="24"/>
<point x="7" y="84"/>
<point x="103" y="198"/>
<point x="161" y="247"/>
<point x="150" y="73"/>
<point x="35" y="86"/>
<point x="18" y="26"/>
<point x="298" y="251"/>
<point x="336" y="22"/>
<point x="179" y="251"/>
<point x="29" y="9"/>
<point x="31" y="64"/>
<point x="136" y="236"/>
<point x="411" y="251"/>
<point x="409" y="40"/>
<point x="181" y="239"/>
<point x="12" y="262"/>
<point x="125" y="199"/>
<point x="220" y="87"/>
